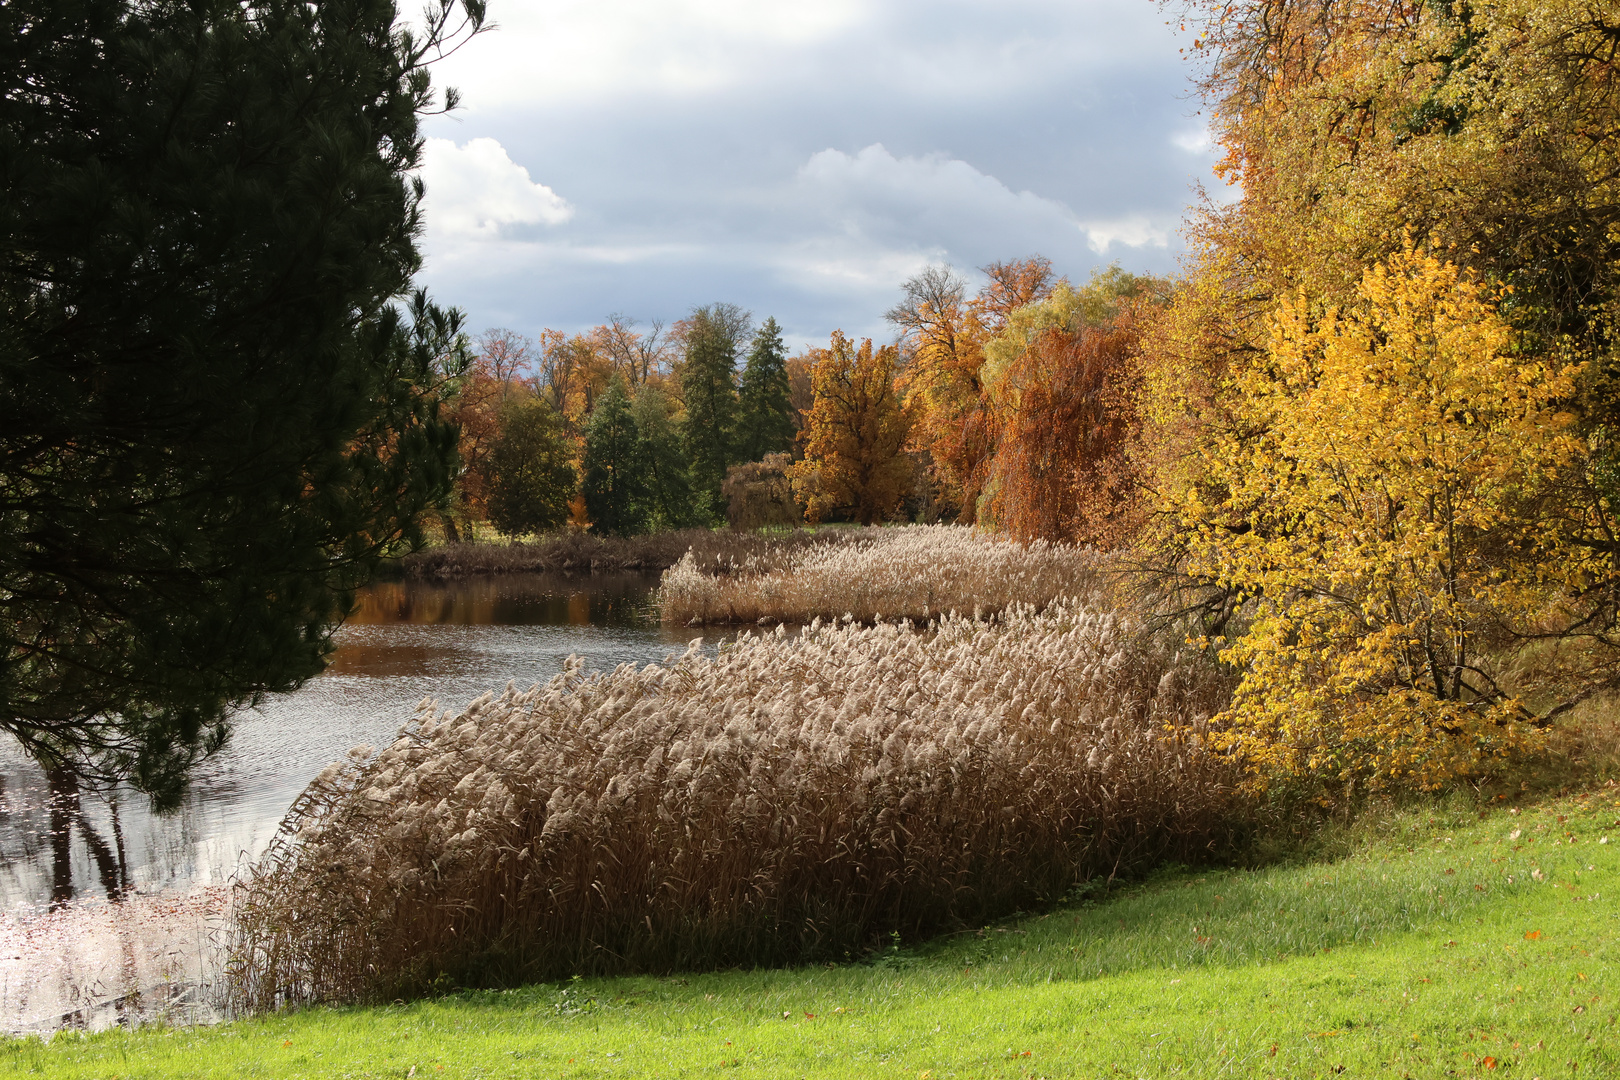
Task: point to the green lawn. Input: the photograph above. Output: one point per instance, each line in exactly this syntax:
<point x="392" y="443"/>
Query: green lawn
<point x="1443" y="946"/>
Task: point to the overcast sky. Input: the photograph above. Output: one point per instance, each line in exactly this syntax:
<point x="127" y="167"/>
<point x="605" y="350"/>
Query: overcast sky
<point x="800" y="159"/>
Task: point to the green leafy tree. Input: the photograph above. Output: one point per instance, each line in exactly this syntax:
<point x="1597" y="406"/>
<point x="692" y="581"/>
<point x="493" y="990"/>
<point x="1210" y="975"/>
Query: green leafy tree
<point x="765" y="423"/>
<point x="614" y="480"/>
<point x="531" y="474"/>
<point x="666" y="490"/>
<point x="218" y="404"/>
<point x="709" y="386"/>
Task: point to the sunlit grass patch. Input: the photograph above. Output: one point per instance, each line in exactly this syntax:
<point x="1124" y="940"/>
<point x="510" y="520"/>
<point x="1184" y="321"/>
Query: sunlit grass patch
<point x="1444" y="946"/>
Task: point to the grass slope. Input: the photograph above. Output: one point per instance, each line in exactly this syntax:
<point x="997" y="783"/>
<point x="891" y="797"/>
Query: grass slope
<point x="1444" y="945"/>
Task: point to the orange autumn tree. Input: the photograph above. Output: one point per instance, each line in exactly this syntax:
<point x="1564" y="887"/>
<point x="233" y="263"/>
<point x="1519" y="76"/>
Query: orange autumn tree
<point x="855" y="435"/>
<point x="943" y="332"/>
<point x="1060" y="377"/>
<point x="637" y="358"/>
<point x="501" y="367"/>
<point x="573" y="373"/>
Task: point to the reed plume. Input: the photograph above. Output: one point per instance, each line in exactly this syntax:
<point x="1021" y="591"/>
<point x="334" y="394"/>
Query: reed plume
<point x="915" y="572"/>
<point x="794" y="798"/>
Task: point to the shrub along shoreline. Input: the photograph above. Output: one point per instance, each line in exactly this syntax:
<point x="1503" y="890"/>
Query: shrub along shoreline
<point x="714" y="551"/>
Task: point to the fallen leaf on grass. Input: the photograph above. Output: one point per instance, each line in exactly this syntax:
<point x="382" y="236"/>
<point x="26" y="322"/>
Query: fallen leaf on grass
<point x="1533" y="935"/>
<point x="1489" y="1062"/>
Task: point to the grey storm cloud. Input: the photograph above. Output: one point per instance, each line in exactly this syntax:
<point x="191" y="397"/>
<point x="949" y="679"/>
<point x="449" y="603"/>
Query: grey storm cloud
<point x="799" y="160"/>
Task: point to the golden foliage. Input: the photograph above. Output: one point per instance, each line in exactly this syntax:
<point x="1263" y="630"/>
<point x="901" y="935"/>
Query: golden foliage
<point x="1485" y="130"/>
<point x="945" y="332"/>
<point x="1380" y="506"/>
<point x="1488" y="127"/>
<point x="854" y="436"/>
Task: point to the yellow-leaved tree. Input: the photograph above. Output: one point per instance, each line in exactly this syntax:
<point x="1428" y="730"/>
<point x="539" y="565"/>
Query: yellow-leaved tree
<point x="854" y="435"/>
<point x="1379" y="501"/>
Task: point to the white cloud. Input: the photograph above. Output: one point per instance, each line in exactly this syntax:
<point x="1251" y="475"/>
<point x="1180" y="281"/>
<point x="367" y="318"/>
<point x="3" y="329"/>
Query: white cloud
<point x="1136" y="231"/>
<point x="582" y="50"/>
<point x="475" y="190"/>
<point x="801" y="159"/>
<point x="843" y="267"/>
<point x="577" y="52"/>
<point x="932" y="200"/>
<point x="948" y="206"/>
<point x="1196" y="141"/>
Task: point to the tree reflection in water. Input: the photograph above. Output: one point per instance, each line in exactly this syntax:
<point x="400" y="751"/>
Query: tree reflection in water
<point x="65" y="803"/>
<point x="103" y="903"/>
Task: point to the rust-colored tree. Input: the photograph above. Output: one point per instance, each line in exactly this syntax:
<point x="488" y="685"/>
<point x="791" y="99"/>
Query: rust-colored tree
<point x="943" y="332"/>
<point x="854" y="442"/>
<point x="1061" y="378"/>
<point x="502" y="366"/>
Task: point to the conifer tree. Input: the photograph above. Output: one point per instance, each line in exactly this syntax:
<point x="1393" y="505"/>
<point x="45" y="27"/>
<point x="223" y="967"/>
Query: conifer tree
<point x="709" y="386"/>
<point x="613" y="481"/>
<point x="666" y="490"/>
<point x="765" y="424"/>
<point x="218" y="403"/>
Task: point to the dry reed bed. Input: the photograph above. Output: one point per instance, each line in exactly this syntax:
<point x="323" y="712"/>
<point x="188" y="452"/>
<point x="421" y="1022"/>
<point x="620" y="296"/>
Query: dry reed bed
<point x="581" y="553"/>
<point x="795" y="798"/>
<point x="916" y="572"/>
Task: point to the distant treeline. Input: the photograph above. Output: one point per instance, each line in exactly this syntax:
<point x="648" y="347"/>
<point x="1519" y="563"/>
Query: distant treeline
<point x="625" y="431"/>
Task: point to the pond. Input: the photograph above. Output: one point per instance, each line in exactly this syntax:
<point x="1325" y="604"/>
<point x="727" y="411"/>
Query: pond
<point x="109" y="913"/>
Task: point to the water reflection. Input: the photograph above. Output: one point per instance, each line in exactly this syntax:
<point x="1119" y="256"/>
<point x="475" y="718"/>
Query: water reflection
<point x="525" y="600"/>
<point x="67" y="955"/>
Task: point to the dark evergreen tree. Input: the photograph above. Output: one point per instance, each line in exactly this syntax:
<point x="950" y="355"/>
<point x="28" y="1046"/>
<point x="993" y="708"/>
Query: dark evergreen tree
<point x="765" y="406"/>
<point x="613" y="479"/>
<point x="531" y="474"/>
<point x="709" y="387"/>
<point x="666" y="489"/>
<point x="215" y="416"/>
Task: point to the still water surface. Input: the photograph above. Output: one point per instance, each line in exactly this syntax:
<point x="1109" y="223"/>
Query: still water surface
<point x="69" y="956"/>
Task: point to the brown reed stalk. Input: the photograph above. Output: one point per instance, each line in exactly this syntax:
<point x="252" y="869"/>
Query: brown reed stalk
<point x="794" y="798"/>
<point x="916" y="572"/>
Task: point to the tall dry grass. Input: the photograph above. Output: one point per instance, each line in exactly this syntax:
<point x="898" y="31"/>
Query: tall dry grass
<point x="793" y="798"/>
<point x="916" y="572"/>
<point x="581" y="553"/>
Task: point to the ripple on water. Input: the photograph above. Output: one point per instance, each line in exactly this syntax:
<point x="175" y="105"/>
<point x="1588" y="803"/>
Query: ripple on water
<point x="71" y="958"/>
